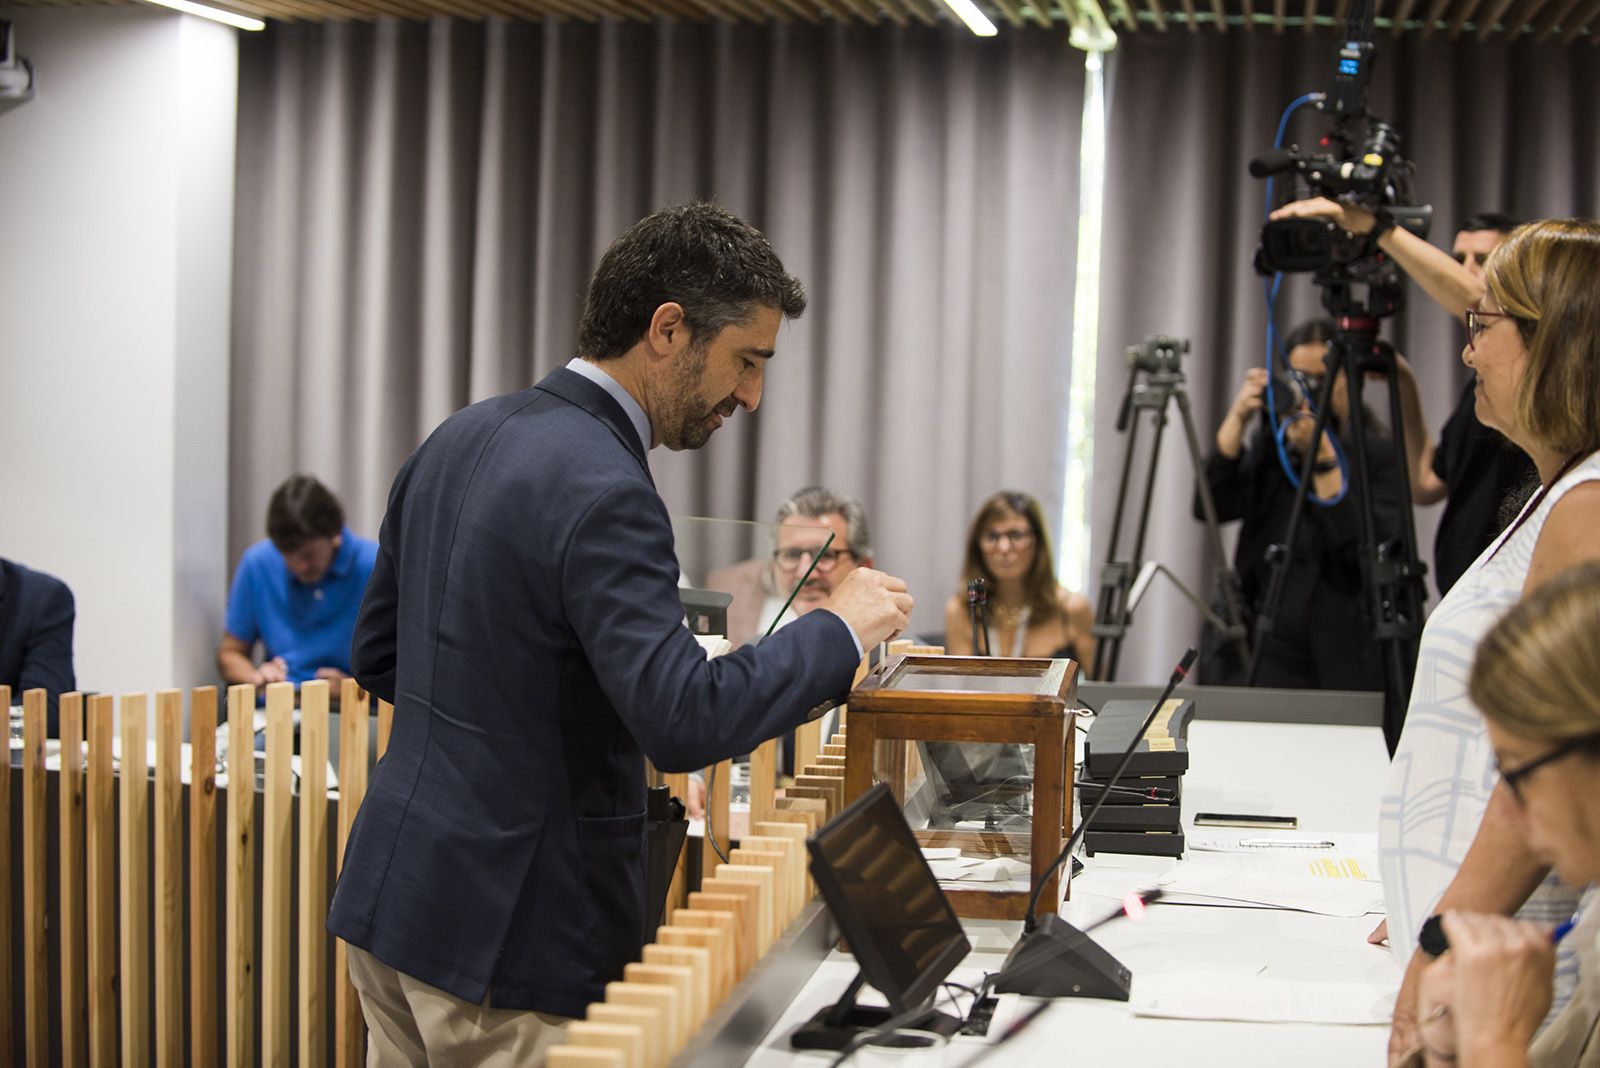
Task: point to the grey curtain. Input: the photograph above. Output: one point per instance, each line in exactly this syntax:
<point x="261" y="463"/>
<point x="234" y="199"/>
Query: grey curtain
<point x="420" y="205"/>
<point x="1489" y="126"/>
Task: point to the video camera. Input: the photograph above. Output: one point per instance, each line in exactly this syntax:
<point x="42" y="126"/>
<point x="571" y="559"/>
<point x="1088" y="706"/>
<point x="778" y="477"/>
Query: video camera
<point x="1362" y="165"/>
<point x="1157" y="354"/>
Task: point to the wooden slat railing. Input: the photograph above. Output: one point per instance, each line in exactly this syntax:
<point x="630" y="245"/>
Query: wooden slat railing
<point x="124" y="900"/>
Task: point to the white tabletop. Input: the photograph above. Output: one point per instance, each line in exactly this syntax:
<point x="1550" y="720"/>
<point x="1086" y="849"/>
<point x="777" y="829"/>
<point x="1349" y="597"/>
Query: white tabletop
<point x="1330" y="778"/>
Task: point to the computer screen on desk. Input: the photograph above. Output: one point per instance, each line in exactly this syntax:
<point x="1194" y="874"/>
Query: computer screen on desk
<point x="876" y="882"/>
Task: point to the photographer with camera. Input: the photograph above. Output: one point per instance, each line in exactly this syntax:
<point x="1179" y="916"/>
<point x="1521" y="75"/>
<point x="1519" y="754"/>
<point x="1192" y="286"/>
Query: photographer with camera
<point x="1472" y="468"/>
<point x="1320" y="640"/>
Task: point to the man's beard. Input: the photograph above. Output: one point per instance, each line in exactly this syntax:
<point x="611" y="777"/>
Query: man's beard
<point x="687" y="421"/>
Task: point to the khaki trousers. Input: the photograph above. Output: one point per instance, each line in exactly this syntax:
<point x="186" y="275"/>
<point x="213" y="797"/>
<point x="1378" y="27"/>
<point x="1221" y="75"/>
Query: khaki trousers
<point x="412" y="1023"/>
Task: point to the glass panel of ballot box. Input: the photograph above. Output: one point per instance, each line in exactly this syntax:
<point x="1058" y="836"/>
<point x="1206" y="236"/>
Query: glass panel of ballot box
<point x="979" y="753"/>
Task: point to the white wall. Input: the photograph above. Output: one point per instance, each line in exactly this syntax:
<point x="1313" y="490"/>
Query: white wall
<point x="116" y="246"/>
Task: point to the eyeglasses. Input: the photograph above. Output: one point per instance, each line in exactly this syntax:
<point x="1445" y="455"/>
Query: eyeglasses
<point x="794" y="558"/>
<point x="1513" y="777"/>
<point x="1476" y="324"/>
<point x="992" y="539"/>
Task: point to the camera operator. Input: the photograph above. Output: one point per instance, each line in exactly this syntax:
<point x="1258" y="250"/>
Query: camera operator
<point x="1320" y="639"/>
<point x="1474" y="469"/>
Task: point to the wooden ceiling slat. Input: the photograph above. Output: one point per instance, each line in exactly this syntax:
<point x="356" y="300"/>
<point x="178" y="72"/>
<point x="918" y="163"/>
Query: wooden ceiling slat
<point x="1188" y="16"/>
<point x="1402" y="13"/>
<point x="1124" y="14"/>
<point x="1156" y="14"/>
<point x="1554" y="15"/>
<point x="923" y="12"/>
<point x="1221" y="15"/>
<point x="769" y="9"/>
<point x="861" y="12"/>
<point x="836" y="9"/>
<point x="798" y="7"/>
<point x="1491" y="17"/>
<point x="1579" y="21"/>
<point x="1278" y="9"/>
<point x="1249" y="14"/>
<point x="1341" y="10"/>
<point x="894" y="12"/>
<point x="1459" y="19"/>
<point x="1436" y="9"/>
<point x="1521" y="14"/>
<point x="1039" y="12"/>
<point x="1009" y="9"/>
<point x="1309" y="19"/>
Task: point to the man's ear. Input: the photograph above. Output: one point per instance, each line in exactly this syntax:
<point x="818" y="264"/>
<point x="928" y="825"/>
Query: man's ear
<point x="668" y="333"/>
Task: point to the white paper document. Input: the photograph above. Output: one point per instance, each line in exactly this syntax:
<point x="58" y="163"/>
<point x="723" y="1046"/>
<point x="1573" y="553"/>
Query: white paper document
<point x="1202" y="995"/>
<point x="1194" y="882"/>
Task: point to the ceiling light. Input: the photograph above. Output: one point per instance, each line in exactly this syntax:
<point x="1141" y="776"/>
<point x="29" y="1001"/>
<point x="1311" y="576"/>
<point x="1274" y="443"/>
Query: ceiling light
<point x="976" y="20"/>
<point x="1090" y="31"/>
<point x="216" y="14"/>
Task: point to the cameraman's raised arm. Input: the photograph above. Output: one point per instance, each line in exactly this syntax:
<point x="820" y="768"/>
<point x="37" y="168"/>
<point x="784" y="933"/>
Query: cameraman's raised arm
<point x="1450" y="284"/>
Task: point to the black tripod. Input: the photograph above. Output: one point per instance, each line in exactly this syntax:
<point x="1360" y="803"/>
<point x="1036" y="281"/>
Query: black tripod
<point x="1159" y="359"/>
<point x="1391" y="574"/>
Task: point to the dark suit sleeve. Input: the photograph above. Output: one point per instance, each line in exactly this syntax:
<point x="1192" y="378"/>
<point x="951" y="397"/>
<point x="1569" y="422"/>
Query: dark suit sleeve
<point x="620" y="594"/>
<point x="374" y="644"/>
<point x="47" y="662"/>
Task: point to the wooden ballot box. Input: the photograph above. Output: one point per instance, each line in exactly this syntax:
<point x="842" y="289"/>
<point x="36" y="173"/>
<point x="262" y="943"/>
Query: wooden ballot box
<point x="978" y="750"/>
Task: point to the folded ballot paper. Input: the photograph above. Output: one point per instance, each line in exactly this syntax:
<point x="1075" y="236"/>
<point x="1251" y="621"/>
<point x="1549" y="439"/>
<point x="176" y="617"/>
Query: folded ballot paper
<point x="1214" y="995"/>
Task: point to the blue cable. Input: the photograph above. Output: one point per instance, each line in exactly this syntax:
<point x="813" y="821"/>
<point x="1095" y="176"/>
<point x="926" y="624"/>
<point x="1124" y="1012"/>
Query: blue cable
<point x="1272" y="286"/>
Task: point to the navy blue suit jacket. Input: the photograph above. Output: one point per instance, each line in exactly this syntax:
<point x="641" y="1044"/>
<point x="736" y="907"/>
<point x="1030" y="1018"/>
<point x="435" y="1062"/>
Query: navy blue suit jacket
<point x="523" y="616"/>
<point x="36" y="618"/>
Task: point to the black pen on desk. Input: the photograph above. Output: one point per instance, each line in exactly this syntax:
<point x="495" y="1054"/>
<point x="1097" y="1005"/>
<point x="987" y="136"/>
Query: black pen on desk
<point x="1285" y="843"/>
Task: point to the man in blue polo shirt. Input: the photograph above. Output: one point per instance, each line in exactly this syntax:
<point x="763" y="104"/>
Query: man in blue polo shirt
<point x="297" y="591"/>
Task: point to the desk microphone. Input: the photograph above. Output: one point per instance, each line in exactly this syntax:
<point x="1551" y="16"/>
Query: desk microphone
<point x="978" y="614"/>
<point x="1053" y="959"/>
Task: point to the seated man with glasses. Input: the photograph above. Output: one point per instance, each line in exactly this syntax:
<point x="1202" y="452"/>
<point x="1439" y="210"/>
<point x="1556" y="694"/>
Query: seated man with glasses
<point x="1320" y="639"/>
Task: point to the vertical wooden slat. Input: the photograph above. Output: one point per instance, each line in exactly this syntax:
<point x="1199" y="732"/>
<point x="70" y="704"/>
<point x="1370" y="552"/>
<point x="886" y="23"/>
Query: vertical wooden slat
<point x="169" y="915"/>
<point x="241" y="918"/>
<point x="763" y="780"/>
<point x="277" y="869"/>
<point x="74" y="1053"/>
<point x="134" y="973"/>
<point x="5" y="880"/>
<point x="385" y="726"/>
<point x="350" y="1038"/>
<point x="100" y="840"/>
<point x="313" y="873"/>
<point x="35" y="954"/>
<point x="203" y="875"/>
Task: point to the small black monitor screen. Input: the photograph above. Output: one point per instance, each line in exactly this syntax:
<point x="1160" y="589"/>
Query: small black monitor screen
<point x="881" y="891"/>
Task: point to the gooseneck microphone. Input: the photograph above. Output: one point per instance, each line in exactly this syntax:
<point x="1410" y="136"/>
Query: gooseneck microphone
<point x="978" y="615"/>
<point x="1054" y="958"/>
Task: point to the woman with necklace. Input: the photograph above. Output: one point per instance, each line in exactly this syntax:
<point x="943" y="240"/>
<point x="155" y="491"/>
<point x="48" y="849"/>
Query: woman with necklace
<point x="1030" y="614"/>
<point x="1448" y="834"/>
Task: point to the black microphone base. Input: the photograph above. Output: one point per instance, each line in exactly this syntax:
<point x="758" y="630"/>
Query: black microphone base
<point x="1056" y="960"/>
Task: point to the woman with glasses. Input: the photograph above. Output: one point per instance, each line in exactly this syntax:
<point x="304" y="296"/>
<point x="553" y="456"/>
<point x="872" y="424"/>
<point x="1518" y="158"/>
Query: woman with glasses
<point x="1320" y="638"/>
<point x="1534" y="681"/>
<point x="1029" y="613"/>
<point x="1450" y="836"/>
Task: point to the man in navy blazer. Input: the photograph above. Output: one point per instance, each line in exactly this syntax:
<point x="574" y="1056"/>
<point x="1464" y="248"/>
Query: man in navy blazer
<point x="523" y="617"/>
<point x="36" y="618"/>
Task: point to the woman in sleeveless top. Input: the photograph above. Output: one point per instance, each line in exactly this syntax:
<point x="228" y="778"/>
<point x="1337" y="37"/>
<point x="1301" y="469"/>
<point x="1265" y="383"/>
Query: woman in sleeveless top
<point x="1448" y="836"/>
<point x="1534" y="679"/>
<point x="1008" y="547"/>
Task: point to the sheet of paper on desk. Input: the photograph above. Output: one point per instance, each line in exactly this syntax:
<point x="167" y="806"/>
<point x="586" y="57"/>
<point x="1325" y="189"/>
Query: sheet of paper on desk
<point x="1201" y="995"/>
<point x="1205" y="884"/>
<point x="1350" y="856"/>
<point x="978" y="870"/>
